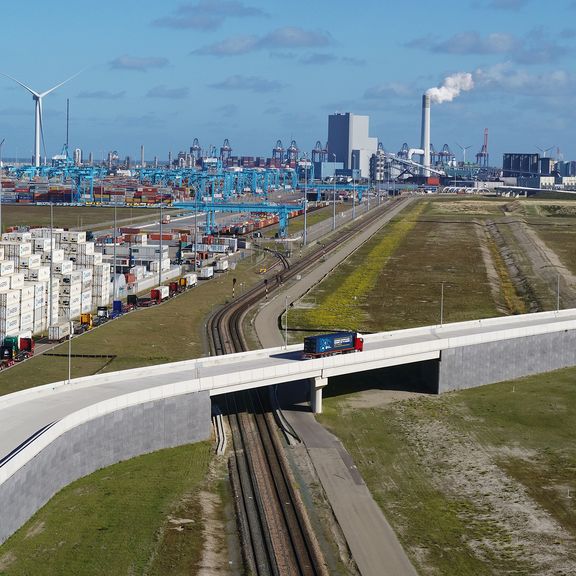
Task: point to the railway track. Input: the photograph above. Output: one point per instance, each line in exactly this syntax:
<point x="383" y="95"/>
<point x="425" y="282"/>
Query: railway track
<point x="276" y="535"/>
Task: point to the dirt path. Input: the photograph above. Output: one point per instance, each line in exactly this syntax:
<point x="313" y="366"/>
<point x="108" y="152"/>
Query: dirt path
<point x="545" y="263"/>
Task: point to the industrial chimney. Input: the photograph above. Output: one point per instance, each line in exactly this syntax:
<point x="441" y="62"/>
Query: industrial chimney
<point x="142" y="163"/>
<point x="425" y="144"/>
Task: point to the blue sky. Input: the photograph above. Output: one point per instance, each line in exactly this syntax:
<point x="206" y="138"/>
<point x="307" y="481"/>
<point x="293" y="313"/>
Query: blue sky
<point x="164" y="73"/>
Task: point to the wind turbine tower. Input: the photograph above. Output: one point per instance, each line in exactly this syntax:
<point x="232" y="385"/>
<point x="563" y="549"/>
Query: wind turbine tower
<point x="37" y="97"/>
<point x="463" y="148"/>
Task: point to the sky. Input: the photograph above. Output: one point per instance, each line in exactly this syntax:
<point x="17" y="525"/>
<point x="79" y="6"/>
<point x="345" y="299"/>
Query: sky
<point x="160" y="74"/>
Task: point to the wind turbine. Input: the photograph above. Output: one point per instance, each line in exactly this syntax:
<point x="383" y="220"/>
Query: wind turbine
<point x="545" y="150"/>
<point x="463" y="148"/>
<point x="37" y="97"/>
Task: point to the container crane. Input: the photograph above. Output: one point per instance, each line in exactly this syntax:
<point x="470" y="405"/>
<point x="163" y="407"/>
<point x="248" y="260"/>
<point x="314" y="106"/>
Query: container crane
<point x="482" y="156"/>
<point x="225" y="152"/>
<point x="278" y="154"/>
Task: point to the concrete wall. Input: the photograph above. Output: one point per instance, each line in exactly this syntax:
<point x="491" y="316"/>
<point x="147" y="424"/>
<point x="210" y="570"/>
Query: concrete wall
<point x="490" y="362"/>
<point x="100" y="442"/>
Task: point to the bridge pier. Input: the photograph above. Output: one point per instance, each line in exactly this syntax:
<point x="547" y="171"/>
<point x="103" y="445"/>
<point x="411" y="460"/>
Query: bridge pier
<point x="316" y="385"/>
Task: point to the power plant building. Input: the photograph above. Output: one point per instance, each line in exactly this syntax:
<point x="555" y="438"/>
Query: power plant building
<point x="349" y="140"/>
<point x="518" y="165"/>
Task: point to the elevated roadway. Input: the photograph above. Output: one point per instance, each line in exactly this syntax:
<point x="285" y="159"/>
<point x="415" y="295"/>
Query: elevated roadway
<point x="23" y="414"/>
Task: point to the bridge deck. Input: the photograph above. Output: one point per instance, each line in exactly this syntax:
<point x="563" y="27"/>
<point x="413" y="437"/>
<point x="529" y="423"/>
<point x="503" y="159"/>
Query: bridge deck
<point x="24" y="413"/>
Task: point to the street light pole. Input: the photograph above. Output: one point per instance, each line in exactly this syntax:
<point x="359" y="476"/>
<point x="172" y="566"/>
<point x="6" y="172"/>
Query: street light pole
<point x="70" y="351"/>
<point x="353" y="195"/>
<point x="305" y="237"/>
<point x="286" y="323"/>
<point x="557" y="292"/>
<point x="442" y="305"/>
<point x="334" y="196"/>
<point x="161" y="244"/>
<point x="114" y="288"/>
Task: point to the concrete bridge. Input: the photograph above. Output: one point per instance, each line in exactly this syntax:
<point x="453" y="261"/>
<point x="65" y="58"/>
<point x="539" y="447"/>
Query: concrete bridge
<point x="53" y="434"/>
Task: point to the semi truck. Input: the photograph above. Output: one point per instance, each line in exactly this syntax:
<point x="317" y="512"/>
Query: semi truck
<point x="331" y="344"/>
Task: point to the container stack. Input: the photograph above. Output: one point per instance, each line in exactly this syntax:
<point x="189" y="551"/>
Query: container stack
<point x="100" y="285"/>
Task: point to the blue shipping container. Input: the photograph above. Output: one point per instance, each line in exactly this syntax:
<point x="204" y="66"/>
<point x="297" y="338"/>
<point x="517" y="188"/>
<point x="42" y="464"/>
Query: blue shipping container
<point x="326" y="343"/>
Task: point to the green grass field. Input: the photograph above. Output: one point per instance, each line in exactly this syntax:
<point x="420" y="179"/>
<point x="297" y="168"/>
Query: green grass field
<point x="117" y="521"/>
<point x="395" y="279"/>
<point x="85" y="217"/>
<point x="474" y="482"/>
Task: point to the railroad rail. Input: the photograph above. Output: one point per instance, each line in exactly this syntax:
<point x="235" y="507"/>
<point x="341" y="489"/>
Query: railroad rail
<point x="275" y="531"/>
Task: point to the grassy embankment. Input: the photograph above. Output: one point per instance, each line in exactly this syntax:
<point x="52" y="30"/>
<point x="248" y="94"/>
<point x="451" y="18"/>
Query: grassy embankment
<point x="474" y="482"/>
<point x="394" y="280"/>
<point x="91" y="217"/>
<point x="142" y="516"/>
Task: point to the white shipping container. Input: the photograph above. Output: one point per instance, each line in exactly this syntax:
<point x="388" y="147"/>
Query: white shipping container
<point x="41" y="274"/>
<point x="86" y="306"/>
<point x="16" y="249"/>
<point x="206" y="272"/>
<point x="89" y="259"/>
<point x="16" y="280"/>
<point x="70" y="289"/>
<point x="4" y="283"/>
<point x="17" y="236"/>
<point x="10" y="325"/>
<point x="10" y="297"/>
<point x="27" y="292"/>
<point x="26" y="318"/>
<point x="26" y="306"/>
<point x="74" y="236"/>
<point x="45" y="232"/>
<point x="39" y="300"/>
<point x="32" y="261"/>
<point x="64" y="267"/>
<point x="58" y="331"/>
<point x="6" y="267"/>
<point x="101" y="270"/>
<point x="71" y="300"/>
<point x="191" y="279"/>
<point x="86" y="275"/>
<point x="56" y="256"/>
<point x="10" y="311"/>
<point x="221" y="265"/>
<point x="73" y="277"/>
<point x="164" y="291"/>
<point x="42" y="245"/>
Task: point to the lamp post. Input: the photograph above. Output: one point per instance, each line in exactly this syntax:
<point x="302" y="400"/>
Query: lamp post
<point x="557" y="292"/>
<point x="286" y="323"/>
<point x="51" y="296"/>
<point x="353" y="195"/>
<point x="70" y="351"/>
<point x="114" y="257"/>
<point x="442" y="304"/>
<point x="161" y="244"/>
<point x="334" y="196"/>
<point x="305" y="236"/>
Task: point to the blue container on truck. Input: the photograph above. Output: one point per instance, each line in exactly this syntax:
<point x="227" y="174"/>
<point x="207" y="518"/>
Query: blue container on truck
<point x="335" y="343"/>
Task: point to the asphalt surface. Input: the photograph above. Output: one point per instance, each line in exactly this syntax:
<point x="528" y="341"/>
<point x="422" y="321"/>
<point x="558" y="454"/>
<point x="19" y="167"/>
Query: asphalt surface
<point x="371" y="540"/>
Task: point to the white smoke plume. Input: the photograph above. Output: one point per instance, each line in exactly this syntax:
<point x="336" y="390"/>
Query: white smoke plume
<point x="451" y="87"/>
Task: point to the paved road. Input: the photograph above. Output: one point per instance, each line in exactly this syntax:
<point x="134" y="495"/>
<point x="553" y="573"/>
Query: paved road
<point x="374" y="545"/>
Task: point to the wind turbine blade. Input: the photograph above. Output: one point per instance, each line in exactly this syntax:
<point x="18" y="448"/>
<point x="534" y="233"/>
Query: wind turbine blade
<point x="58" y="85"/>
<point x="23" y="85"/>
